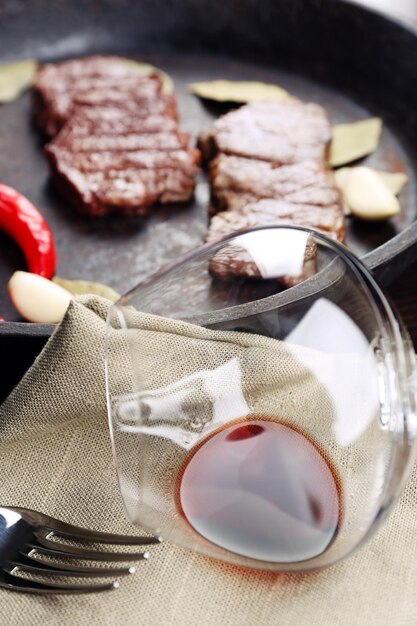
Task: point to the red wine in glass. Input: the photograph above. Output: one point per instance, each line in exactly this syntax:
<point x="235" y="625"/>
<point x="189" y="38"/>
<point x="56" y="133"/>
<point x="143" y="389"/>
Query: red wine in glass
<point x="262" y="490"/>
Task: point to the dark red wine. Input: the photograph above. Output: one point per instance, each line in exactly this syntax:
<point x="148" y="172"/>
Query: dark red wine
<point x="262" y="490"/>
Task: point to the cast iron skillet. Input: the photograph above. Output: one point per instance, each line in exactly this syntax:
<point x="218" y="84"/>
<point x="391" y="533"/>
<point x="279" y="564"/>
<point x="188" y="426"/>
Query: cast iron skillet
<point x="353" y="61"/>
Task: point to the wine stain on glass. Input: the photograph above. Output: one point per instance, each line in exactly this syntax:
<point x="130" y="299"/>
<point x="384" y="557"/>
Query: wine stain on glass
<point x="262" y="490"/>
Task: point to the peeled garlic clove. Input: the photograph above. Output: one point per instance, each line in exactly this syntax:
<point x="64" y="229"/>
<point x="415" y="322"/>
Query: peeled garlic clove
<point x="341" y="177"/>
<point x="395" y="181"/>
<point x="368" y="196"/>
<point x="37" y="299"/>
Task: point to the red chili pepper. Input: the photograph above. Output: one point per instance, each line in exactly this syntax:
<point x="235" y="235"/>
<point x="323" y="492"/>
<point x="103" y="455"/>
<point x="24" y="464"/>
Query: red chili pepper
<point x="23" y="222"/>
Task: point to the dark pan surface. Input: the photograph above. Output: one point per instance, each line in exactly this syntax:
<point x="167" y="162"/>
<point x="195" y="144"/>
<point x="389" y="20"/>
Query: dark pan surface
<point x="329" y="52"/>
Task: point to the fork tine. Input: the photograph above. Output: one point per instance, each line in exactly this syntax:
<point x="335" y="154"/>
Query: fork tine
<point x="15" y="583"/>
<point x="63" y="529"/>
<point x="52" y="548"/>
<point x="82" y="534"/>
<point x="26" y="564"/>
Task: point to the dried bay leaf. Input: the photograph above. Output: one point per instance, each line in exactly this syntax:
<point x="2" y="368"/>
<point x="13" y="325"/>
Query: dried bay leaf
<point x="84" y="287"/>
<point x="144" y="69"/>
<point x="15" y="78"/>
<point x="354" y="141"/>
<point x="238" y="91"/>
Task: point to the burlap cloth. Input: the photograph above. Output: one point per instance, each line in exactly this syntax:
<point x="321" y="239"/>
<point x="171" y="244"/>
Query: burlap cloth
<point x="55" y="456"/>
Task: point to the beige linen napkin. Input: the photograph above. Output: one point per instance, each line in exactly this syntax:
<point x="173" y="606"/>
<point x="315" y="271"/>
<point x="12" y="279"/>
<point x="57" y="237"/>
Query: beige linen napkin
<point x="55" y="456"/>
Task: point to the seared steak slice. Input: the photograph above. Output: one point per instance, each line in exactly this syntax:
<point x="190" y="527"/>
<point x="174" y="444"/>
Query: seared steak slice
<point x="267" y="212"/>
<point x="90" y="67"/>
<point x="235" y="181"/>
<point x="94" y="79"/>
<point x="119" y="148"/>
<point x="235" y="261"/>
<point x="125" y="143"/>
<point x="93" y="121"/>
<point x="128" y="191"/>
<point x="52" y="116"/>
<point x="281" y="132"/>
<point x="186" y="160"/>
<point x="126" y="173"/>
<point x="329" y="220"/>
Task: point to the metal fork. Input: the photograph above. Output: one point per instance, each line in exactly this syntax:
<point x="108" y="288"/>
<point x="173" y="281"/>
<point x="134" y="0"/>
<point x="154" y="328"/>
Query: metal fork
<point x="26" y="536"/>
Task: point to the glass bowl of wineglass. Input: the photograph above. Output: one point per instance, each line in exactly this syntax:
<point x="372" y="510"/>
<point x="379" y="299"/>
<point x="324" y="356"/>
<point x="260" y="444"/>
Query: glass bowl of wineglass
<point x="261" y="401"/>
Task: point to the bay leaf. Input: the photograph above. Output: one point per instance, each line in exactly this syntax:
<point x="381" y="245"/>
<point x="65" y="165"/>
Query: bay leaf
<point x="15" y="78"/>
<point x="146" y="68"/>
<point x="83" y="287"/>
<point x="354" y="141"/>
<point x="238" y="91"/>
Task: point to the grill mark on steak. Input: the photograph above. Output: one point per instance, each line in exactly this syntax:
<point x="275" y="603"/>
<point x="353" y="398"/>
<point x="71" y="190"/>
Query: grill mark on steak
<point x="93" y="66"/>
<point x="80" y="124"/>
<point x="52" y="119"/>
<point x="235" y="181"/>
<point x="129" y="191"/>
<point x="186" y="160"/>
<point x="126" y="143"/>
<point x="92" y="180"/>
<point x="329" y="220"/>
<point x="57" y="85"/>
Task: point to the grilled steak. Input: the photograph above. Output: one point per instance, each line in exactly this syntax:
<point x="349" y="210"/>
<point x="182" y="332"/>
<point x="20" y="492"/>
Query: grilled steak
<point x="234" y="261"/>
<point x="119" y="148"/>
<point x="164" y="142"/>
<point x="98" y="79"/>
<point x="127" y="191"/>
<point x="236" y="181"/>
<point x="329" y="220"/>
<point x="185" y="160"/>
<point x="112" y="121"/>
<point x="267" y="167"/>
<point x="281" y="132"/>
<point x="120" y="181"/>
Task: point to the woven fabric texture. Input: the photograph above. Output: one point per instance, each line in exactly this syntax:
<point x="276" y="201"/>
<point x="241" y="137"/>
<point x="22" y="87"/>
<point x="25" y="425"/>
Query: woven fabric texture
<point x="55" y="456"/>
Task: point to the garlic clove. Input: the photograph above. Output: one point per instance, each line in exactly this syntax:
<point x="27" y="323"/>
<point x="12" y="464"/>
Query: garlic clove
<point x="341" y="177"/>
<point x="37" y="299"/>
<point x="368" y="196"/>
<point x="394" y="180"/>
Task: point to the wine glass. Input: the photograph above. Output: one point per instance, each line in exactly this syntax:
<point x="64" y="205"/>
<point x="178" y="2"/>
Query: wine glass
<point x="261" y="400"/>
